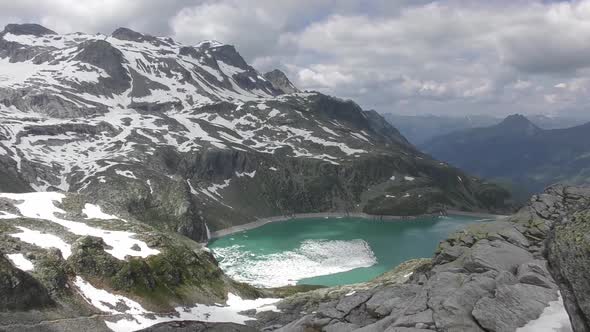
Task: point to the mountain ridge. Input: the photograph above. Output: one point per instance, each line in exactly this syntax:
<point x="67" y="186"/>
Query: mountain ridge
<point x="105" y="113"/>
<point x="519" y="152"/>
<point x="422" y="128"/>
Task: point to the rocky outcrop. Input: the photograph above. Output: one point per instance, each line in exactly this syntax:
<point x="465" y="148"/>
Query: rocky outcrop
<point x="489" y="277"/>
<point x="280" y="81"/>
<point x="569" y="254"/>
<point x="28" y="29"/>
<point x="19" y="291"/>
<point x="103" y="55"/>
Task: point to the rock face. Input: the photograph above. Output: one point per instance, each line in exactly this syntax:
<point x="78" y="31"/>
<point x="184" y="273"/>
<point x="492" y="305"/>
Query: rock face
<point x="19" y="291"/>
<point x="173" y="136"/>
<point x="279" y="80"/>
<point x="62" y="266"/>
<point x="489" y="277"/>
<point x="569" y="254"/>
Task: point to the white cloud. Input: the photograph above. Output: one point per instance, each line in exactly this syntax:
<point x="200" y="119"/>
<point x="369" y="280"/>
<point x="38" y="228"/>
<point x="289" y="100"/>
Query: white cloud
<point x="405" y="56"/>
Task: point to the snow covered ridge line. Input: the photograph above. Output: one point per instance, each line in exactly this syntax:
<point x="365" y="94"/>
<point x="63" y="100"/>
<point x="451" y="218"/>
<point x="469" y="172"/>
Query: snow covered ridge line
<point x="160" y="94"/>
<point x="213" y="78"/>
<point x="41" y="205"/>
<point x="137" y="317"/>
<point x="90" y="156"/>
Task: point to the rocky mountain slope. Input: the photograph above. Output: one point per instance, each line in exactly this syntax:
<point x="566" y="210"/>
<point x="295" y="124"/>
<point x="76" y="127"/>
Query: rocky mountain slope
<point x="524" y="273"/>
<point x="65" y="265"/>
<point x="191" y="138"/>
<point x="519" y="153"/>
<point x="107" y="273"/>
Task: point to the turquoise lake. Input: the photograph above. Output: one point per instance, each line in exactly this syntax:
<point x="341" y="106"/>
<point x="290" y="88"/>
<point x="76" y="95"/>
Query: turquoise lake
<point x="329" y="251"/>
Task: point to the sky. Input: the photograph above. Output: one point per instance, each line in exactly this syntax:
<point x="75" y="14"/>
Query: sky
<point x="406" y="56"/>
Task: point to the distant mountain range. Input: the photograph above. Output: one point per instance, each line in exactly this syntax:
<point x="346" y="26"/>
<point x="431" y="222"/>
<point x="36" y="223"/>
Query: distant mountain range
<point x="519" y="153"/>
<point x="420" y="128"/>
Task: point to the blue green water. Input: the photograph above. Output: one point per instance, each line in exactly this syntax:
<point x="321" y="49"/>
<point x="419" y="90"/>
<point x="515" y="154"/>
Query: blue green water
<point x="329" y="252"/>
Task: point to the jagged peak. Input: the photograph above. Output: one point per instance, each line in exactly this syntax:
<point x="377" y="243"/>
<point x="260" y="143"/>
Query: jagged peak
<point x="229" y="54"/>
<point x="280" y="81"/>
<point x="209" y="44"/>
<point x="127" y="34"/>
<point x="134" y="36"/>
<point x="28" y="29"/>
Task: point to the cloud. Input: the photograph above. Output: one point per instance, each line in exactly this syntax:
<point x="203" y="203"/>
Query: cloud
<point x="405" y="56"/>
<point x="454" y="55"/>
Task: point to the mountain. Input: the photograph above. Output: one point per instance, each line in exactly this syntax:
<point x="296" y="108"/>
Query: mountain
<point x="422" y="128"/>
<point x="194" y="137"/>
<point x="280" y="81"/>
<point x="121" y="153"/>
<point x="518" y="152"/>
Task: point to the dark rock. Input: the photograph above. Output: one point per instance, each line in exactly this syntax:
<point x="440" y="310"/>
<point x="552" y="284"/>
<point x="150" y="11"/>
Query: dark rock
<point x="406" y="329"/>
<point x="496" y="255"/>
<point x="188" y="326"/>
<point x="103" y="55"/>
<point x="569" y="254"/>
<point x="128" y="34"/>
<point x="391" y="301"/>
<point x="348" y="303"/>
<point x="279" y="81"/>
<point x="423" y="318"/>
<point x="512" y="306"/>
<point x="28" y="29"/>
<point x="19" y="290"/>
<point x="534" y="273"/>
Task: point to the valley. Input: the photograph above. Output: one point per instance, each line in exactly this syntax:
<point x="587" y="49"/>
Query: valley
<point x="124" y="158"/>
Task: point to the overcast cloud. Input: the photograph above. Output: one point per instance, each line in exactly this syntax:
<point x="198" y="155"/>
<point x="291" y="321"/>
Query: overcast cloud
<point x="451" y="57"/>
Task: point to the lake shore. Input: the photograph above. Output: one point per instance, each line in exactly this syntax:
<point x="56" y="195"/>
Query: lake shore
<point x="264" y="221"/>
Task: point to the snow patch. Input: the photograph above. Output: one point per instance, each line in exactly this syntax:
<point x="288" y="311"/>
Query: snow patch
<point x="43" y="240"/>
<point x="137" y="318"/>
<point x="94" y="212"/>
<point x="251" y="174"/>
<point x="40" y="205"/>
<point x="127" y="174"/>
<point x="107" y="302"/>
<point x="149" y="183"/>
<point x="21" y="262"/>
<point x="554" y="318"/>
<point x="6" y="215"/>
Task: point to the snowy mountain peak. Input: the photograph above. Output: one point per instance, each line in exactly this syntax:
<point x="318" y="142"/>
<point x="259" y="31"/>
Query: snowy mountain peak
<point x="175" y="134"/>
<point x="74" y="106"/>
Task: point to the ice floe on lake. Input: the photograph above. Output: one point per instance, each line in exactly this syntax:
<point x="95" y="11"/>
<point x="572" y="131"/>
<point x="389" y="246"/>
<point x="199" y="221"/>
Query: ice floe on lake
<point x="311" y="259"/>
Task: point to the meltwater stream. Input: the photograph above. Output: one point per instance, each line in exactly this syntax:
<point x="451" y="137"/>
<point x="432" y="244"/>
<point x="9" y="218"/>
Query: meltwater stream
<point x="329" y="251"/>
